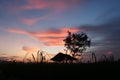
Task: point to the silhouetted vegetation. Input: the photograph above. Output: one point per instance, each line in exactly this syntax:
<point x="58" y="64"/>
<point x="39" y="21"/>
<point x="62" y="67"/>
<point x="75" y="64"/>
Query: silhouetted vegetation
<point x="76" y="43"/>
<point x="48" y="71"/>
<point x="39" y="58"/>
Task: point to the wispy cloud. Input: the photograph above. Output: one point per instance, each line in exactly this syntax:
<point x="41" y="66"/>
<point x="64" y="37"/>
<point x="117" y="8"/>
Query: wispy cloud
<point x="38" y="4"/>
<point x="50" y="6"/>
<point x="54" y="6"/>
<point x="30" y="48"/>
<point x="18" y="31"/>
<point x="50" y="37"/>
<point x="29" y="22"/>
<point x="46" y="4"/>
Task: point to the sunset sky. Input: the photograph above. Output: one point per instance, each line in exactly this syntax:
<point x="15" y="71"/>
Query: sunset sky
<point x="31" y="25"/>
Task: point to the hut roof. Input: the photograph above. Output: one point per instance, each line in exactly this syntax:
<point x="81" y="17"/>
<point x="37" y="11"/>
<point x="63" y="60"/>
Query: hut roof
<point x="61" y="57"/>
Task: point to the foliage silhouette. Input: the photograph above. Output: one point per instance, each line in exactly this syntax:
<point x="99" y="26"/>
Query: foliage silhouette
<point x="51" y="71"/>
<point x="94" y="58"/>
<point x="76" y="43"/>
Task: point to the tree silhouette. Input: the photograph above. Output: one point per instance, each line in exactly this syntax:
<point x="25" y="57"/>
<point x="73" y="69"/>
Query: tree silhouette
<point x="76" y="43"/>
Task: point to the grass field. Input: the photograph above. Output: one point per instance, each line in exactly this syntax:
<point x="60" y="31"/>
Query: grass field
<point x="50" y="71"/>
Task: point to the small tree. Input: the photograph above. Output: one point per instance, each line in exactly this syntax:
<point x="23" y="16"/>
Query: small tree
<point x="76" y="43"/>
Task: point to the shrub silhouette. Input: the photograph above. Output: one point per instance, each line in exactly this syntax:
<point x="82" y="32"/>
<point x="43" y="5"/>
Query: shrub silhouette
<point x="76" y="43"/>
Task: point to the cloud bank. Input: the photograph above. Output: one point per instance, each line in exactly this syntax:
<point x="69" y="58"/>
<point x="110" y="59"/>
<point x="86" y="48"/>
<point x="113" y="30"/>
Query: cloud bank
<point x="50" y="37"/>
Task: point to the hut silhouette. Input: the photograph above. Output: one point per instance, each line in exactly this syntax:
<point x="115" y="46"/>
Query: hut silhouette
<point x="62" y="57"/>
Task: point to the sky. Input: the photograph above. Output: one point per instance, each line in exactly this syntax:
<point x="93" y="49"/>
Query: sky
<point x="31" y="25"/>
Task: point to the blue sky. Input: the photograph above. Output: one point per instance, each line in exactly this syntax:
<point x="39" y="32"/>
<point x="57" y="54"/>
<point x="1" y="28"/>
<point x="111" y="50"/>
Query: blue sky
<point x="28" y="25"/>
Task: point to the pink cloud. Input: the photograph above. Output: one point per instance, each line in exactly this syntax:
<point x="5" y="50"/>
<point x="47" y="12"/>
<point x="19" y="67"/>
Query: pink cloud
<point x="18" y="6"/>
<point x="18" y="31"/>
<point x="29" y="21"/>
<point x="30" y="48"/>
<point x="53" y="4"/>
<point x="51" y="37"/>
<point x="54" y="32"/>
<point x="53" y="41"/>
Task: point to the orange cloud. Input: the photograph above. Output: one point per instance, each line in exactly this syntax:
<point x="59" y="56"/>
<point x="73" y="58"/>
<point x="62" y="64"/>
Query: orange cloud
<point x="52" y="41"/>
<point x="51" y="37"/>
<point x="52" y="33"/>
<point x="30" y="49"/>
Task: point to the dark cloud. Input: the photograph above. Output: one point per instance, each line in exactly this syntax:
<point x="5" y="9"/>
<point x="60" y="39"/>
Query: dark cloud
<point x="106" y="35"/>
<point x="9" y="58"/>
<point x="4" y="58"/>
<point x="109" y="13"/>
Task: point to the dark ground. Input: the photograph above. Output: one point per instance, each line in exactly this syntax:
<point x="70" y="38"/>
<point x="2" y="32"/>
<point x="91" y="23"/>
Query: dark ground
<point x="55" y="71"/>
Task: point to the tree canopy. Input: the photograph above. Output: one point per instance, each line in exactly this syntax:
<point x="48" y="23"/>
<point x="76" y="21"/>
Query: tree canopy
<point x="76" y="43"/>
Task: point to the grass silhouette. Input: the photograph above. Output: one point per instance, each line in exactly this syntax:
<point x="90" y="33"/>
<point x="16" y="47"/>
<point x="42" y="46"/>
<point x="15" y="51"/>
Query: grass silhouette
<point x="47" y="71"/>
